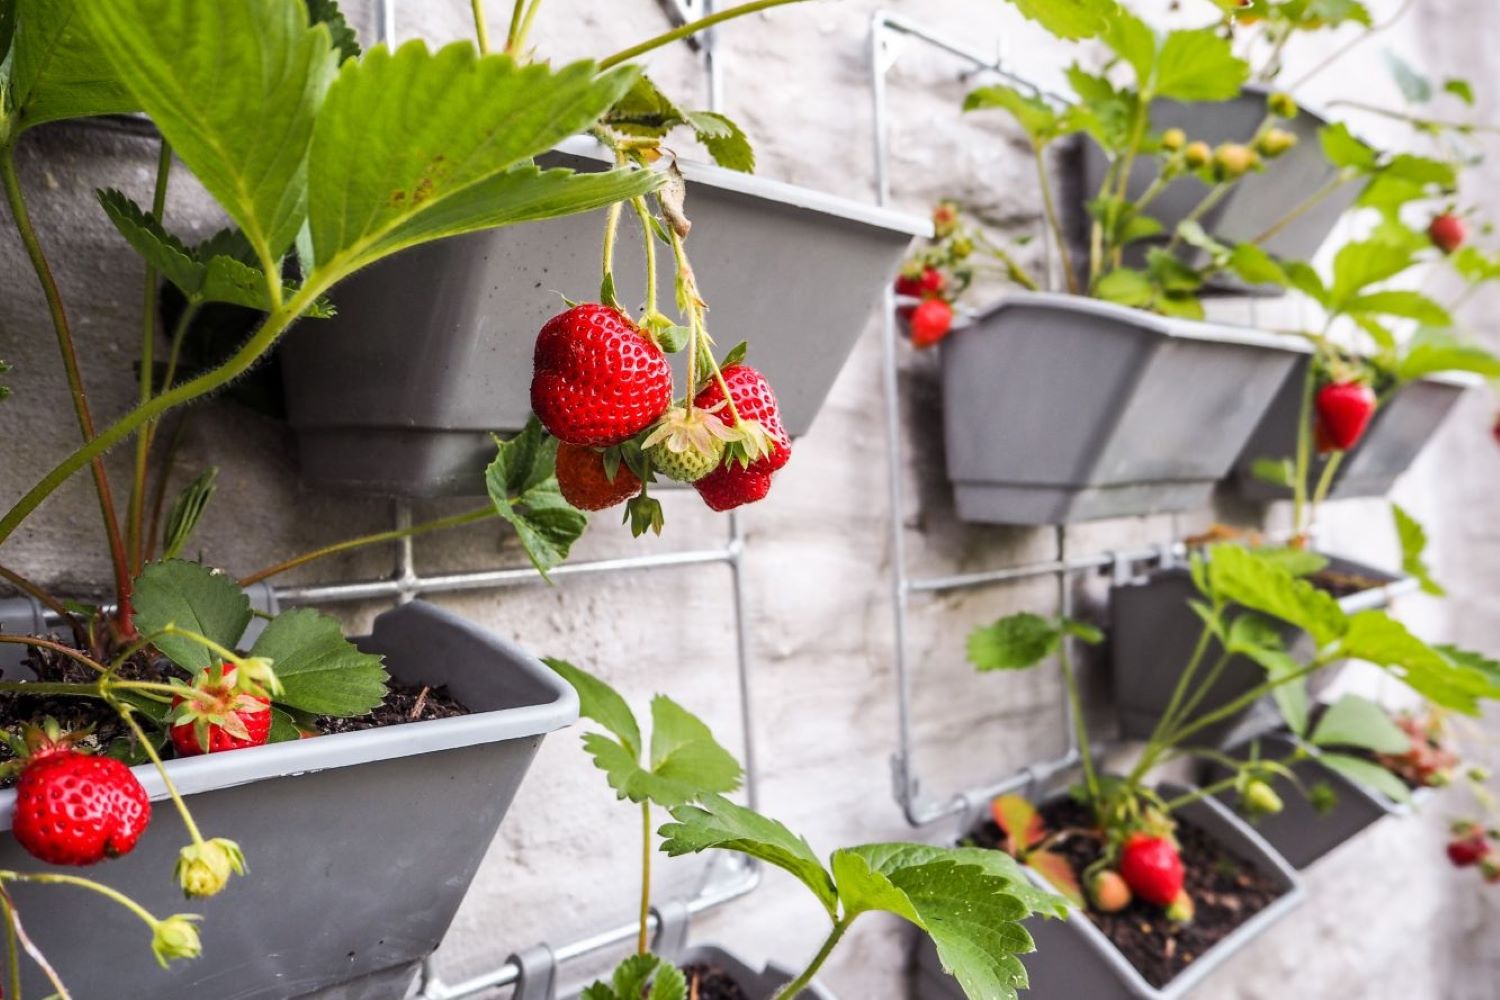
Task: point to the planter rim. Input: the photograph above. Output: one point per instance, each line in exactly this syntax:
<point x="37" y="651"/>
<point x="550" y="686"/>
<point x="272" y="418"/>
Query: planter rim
<point x="761" y="187"/>
<point x="1186" y="980"/>
<point x="1167" y="326"/>
<point x="293" y="757"/>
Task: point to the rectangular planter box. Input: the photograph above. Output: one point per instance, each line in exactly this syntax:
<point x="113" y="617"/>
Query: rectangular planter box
<point x="1257" y="202"/>
<point x="1059" y="408"/>
<point x="1396" y="435"/>
<point x="361" y="845"/>
<point x="758" y="985"/>
<point x="1075" y="961"/>
<point x="1153" y="632"/>
<point x="431" y="350"/>
<point x="1299" y="832"/>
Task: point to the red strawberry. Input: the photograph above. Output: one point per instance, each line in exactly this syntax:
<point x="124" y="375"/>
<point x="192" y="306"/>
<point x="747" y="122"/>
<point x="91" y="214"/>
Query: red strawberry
<point x="1467" y="850"/>
<point x="230" y="719"/>
<point x="1447" y="232"/>
<point x="930" y="322"/>
<point x="926" y="282"/>
<point x="1152" y="868"/>
<point x="597" y="379"/>
<point x="74" y="809"/>
<point x="754" y="400"/>
<point x="730" y="486"/>
<point x="1344" y="411"/>
<point x="581" y="475"/>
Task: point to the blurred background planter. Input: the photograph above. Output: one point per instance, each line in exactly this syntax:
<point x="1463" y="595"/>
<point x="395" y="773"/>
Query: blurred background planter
<point x="1153" y="632"/>
<point x="1059" y="408"/>
<point x="362" y="844"/>
<point x="1076" y="961"/>
<point x="1300" y="833"/>
<point x="757" y="985"/>
<point x="1396" y="436"/>
<point x="1255" y="204"/>
<point x="431" y="351"/>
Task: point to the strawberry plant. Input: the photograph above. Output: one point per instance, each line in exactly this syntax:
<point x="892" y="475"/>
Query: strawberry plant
<point x="970" y="902"/>
<point x="373" y="153"/>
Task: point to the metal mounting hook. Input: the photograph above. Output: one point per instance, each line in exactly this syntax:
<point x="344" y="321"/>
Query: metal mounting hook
<point x="536" y="978"/>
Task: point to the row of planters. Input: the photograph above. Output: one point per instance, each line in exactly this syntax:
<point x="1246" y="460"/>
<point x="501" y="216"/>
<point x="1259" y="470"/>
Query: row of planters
<point x="1200" y="183"/>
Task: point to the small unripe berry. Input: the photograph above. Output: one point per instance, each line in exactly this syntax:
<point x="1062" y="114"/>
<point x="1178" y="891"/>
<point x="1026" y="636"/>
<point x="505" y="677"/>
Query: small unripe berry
<point x="945" y="218"/>
<point x="175" y="937"/>
<point x="1275" y="141"/>
<point x="1198" y="154"/>
<point x="1260" y="799"/>
<point x="1233" y="160"/>
<point x="204" y="869"/>
<point x="1173" y="139"/>
<point x="1282" y="104"/>
<point x="1182" y="909"/>
<point x="1109" y="892"/>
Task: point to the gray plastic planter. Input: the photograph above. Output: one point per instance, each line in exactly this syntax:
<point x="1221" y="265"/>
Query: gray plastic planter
<point x="1153" y="632"/>
<point x="1299" y="832"/>
<point x="1059" y="408"/>
<point x="361" y="845"/>
<point x="1257" y="202"/>
<point x="1396" y="435"/>
<point x="1075" y="961"/>
<point x="431" y="350"/>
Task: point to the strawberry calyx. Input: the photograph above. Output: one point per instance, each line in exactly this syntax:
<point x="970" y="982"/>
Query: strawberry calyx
<point x="223" y="708"/>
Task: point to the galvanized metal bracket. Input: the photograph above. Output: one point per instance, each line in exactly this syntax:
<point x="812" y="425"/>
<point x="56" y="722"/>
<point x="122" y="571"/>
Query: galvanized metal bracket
<point x="672" y="920"/>
<point x="536" y="977"/>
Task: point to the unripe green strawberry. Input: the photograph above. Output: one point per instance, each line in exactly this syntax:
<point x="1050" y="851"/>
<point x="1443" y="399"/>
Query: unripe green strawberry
<point x="1173" y="139"/>
<point x="1275" y="141"/>
<point x="687" y="444"/>
<point x="203" y="869"/>
<point x="175" y="937"/>
<point x="1282" y="105"/>
<point x="1198" y="154"/>
<point x="1234" y="160"/>
<point x="1260" y="799"/>
<point x="1182" y="910"/>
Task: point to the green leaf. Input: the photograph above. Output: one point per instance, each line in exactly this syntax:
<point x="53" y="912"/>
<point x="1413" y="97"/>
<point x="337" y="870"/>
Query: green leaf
<point x="1254" y="266"/>
<point x="1367" y="773"/>
<point x="1013" y="643"/>
<point x="1360" y="265"/>
<point x="187" y="511"/>
<point x="725" y="141"/>
<point x="602" y="704"/>
<point x="685" y="754"/>
<point x="283" y="727"/>
<point x="522" y="484"/>
<point x="1461" y="89"/>
<point x="1134" y="42"/>
<point x="171" y="258"/>
<point x="1199" y="65"/>
<point x="1258" y="638"/>
<point x="719" y="823"/>
<point x="194" y="597"/>
<point x="1070" y="19"/>
<point x="1276" y="471"/>
<point x="1343" y="150"/>
<point x="1126" y="286"/>
<point x="1415" y="87"/>
<point x="1402" y="303"/>
<point x="1376" y="637"/>
<point x="1305" y="279"/>
<point x="320" y="671"/>
<point x="57" y="71"/>
<point x="417" y="146"/>
<point x="234" y="87"/>
<point x="344" y="39"/>
<point x="1358" y="722"/>
<point x="958" y="896"/>
<point x="1433" y="352"/>
<point x="1413" y="538"/>
<point x="1035" y="116"/>
<point x="1298" y="562"/>
<point x="1254" y="581"/>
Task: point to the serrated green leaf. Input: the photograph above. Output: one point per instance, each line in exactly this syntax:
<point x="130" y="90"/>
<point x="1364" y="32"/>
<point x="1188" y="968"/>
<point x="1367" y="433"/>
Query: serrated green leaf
<point x="522" y="484"/>
<point x="1035" y="116"/>
<point x="1257" y="637"/>
<point x="1376" y="637"/>
<point x="1306" y="280"/>
<point x="669" y="984"/>
<point x="1013" y="643"/>
<point x="1126" y="286"/>
<point x="1199" y="65"/>
<point x="57" y="70"/>
<point x="631" y="976"/>
<point x="1257" y="582"/>
<point x="1413" y="538"/>
<point x="186" y="512"/>
<point x="320" y="671"/>
<point x="1432" y="352"/>
<point x="193" y="597"/>
<point x="1343" y="150"/>
<point x="326" y="12"/>
<point x="601" y="703"/>
<point x="168" y="255"/>
<point x="1367" y="773"/>
<point x="1254" y="266"/>
<point x="1360" y="265"/>
<point x="1401" y="303"/>
<point x="1070" y="19"/>
<point x="1133" y="41"/>
<point x="234" y="87"/>
<point x="283" y="727"/>
<point x="417" y="146"/>
<point x="1353" y="721"/>
<point x="685" y="755"/>
<point x="725" y="141"/>
<point x="718" y="823"/>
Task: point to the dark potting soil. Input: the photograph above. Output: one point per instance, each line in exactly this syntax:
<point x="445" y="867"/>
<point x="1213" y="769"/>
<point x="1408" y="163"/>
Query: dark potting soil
<point x="403" y="703"/>
<point x="1342" y="585"/>
<point x="1226" y="890"/>
<point x="708" y="982"/>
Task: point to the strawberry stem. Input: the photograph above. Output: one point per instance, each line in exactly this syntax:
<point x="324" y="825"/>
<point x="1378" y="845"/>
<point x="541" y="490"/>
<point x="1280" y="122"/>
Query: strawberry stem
<point x="50" y="878"/>
<point x="482" y="29"/>
<point x="125" y="713"/>
<point x="691" y="28"/>
<point x="12" y="949"/>
<point x="639" y="204"/>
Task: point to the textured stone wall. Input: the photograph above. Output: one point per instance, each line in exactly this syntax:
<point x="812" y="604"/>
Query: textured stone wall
<point x="1385" y="918"/>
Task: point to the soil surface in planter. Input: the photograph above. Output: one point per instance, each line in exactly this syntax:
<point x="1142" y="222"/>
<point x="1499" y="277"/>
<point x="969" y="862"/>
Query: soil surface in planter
<point x="709" y="982"/>
<point x="1226" y="890"/>
<point x="403" y="703"/>
<point x="1342" y="585"/>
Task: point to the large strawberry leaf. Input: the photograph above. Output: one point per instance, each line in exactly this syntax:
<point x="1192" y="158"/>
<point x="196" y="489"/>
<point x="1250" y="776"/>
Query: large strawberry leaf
<point x="1367" y="773"/>
<point x="1023" y="640"/>
<point x="1353" y="721"/>
<point x="56" y="71"/>
<point x="321" y="672"/>
<point x="1198" y="65"/>
<point x="632" y="976"/>
<point x="190" y="596"/>
<point x="522" y="484"/>
<point x="1241" y="576"/>
<point x="1070" y="19"/>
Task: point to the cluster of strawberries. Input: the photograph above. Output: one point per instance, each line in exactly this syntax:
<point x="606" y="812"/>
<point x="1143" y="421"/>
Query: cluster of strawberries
<point x="924" y="278"/>
<point x="74" y="808"/>
<point x="1149" y="868"/>
<point x="1471" y="845"/>
<point x="601" y="382"/>
<point x="1428" y="762"/>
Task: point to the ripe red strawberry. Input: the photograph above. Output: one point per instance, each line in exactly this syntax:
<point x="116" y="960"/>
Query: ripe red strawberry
<point x="930" y="322"/>
<point x="1344" y="411"/>
<point x="754" y="400"/>
<point x="730" y="486"/>
<point x="1152" y="868"/>
<point x="597" y="379"/>
<point x="1447" y="232"/>
<point x="925" y="283"/>
<point x="74" y="809"/>
<point x="1467" y="850"/>
<point x="581" y="475"/>
<point x="230" y="719"/>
